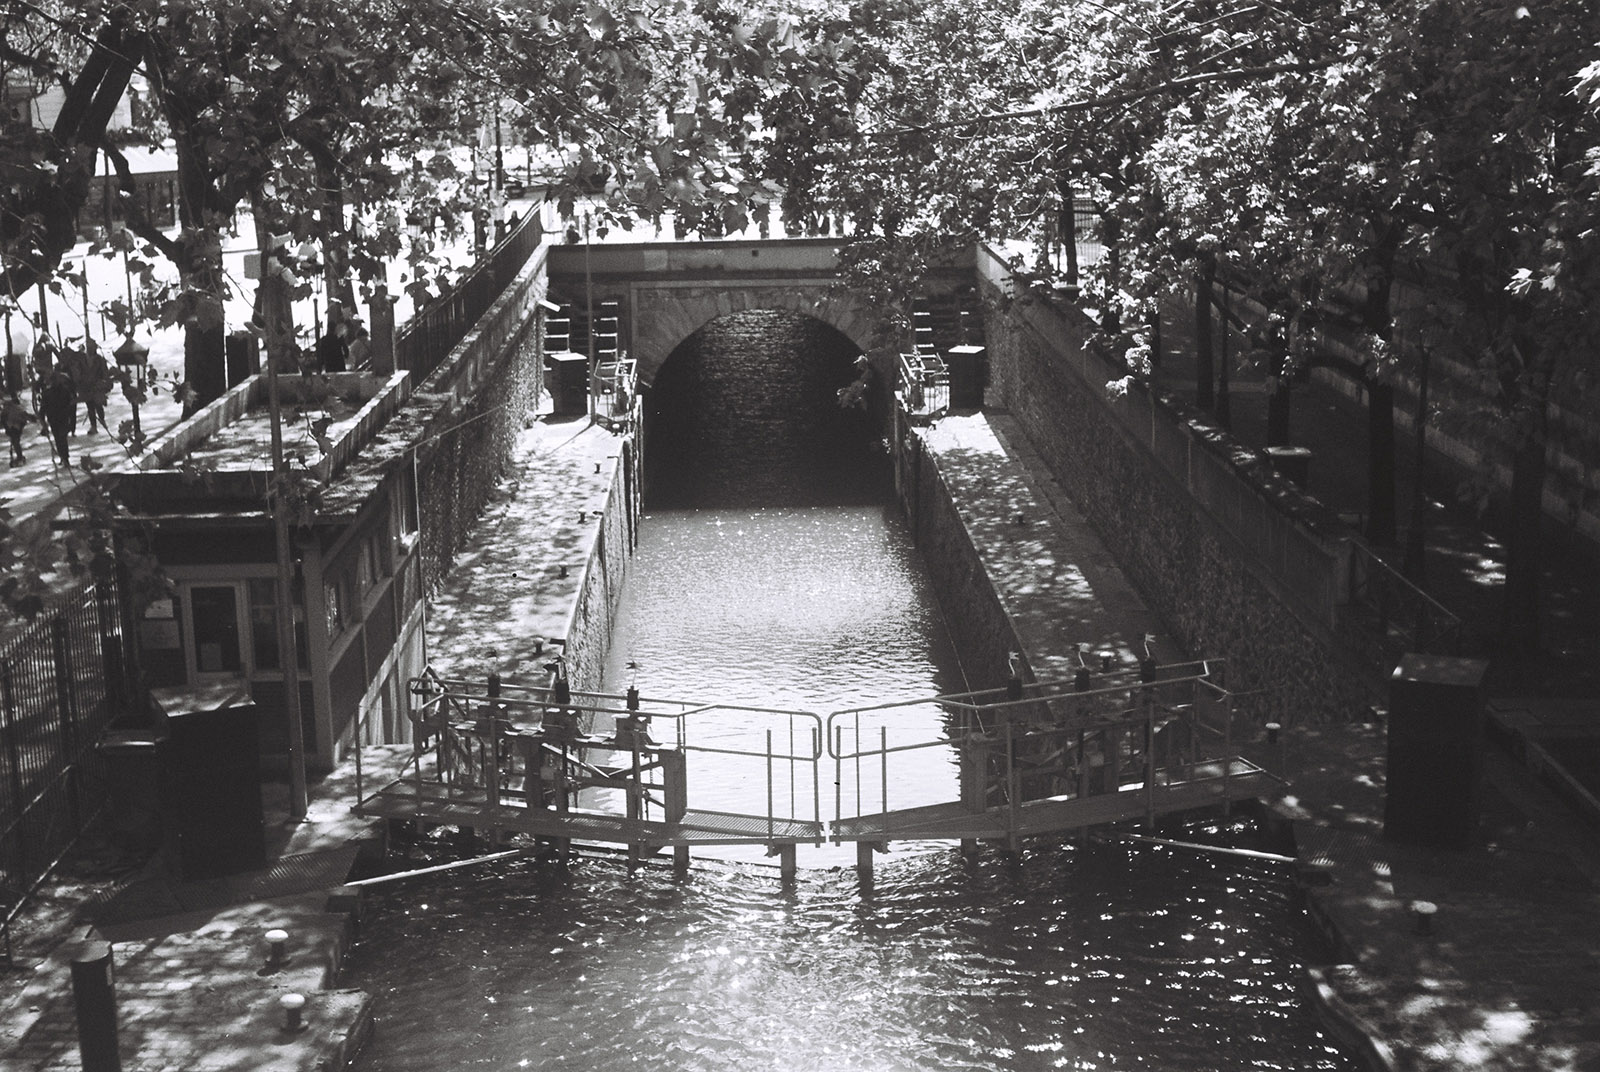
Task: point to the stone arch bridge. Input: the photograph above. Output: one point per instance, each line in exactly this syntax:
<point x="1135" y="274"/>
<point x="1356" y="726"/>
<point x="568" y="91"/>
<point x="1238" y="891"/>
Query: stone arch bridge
<point x="666" y="291"/>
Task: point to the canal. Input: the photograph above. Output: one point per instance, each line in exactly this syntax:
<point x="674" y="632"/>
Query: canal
<point x="772" y="571"/>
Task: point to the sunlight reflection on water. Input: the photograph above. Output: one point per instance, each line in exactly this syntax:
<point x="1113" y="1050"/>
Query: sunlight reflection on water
<point x="1076" y="956"/>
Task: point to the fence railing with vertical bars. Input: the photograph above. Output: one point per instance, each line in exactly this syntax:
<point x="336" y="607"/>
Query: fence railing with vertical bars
<point x="61" y="685"/>
<point x="427" y="338"/>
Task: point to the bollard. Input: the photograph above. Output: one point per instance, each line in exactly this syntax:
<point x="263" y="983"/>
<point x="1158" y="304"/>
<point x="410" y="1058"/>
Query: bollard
<point x="1272" y="732"/>
<point x="95" y="996"/>
<point x="1107" y="659"/>
<point x="1422" y="913"/>
<point x="293" y="1006"/>
<point x="277" y="948"/>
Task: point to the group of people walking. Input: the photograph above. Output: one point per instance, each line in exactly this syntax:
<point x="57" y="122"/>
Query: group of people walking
<point x="61" y="376"/>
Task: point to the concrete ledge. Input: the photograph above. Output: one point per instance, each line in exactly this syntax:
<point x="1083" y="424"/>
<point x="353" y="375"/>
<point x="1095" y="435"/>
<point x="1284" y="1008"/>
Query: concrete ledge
<point x="1347" y="1025"/>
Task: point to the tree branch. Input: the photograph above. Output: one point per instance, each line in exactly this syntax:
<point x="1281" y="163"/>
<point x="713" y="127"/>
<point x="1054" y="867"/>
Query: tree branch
<point x="1240" y="75"/>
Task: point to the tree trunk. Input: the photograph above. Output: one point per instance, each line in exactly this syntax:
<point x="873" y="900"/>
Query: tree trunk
<point x="1110" y="321"/>
<point x="1519" y="621"/>
<point x="205" y="348"/>
<point x="1205" y="397"/>
<point x="1069" y="227"/>
<point x="1414" y="565"/>
<point x="1278" y="387"/>
<point x="1378" y="319"/>
<point x="1381" y="523"/>
<point x="1224" y="407"/>
<point x="335" y="246"/>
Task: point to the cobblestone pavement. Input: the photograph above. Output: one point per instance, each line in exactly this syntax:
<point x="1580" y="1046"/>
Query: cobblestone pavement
<point x="193" y="989"/>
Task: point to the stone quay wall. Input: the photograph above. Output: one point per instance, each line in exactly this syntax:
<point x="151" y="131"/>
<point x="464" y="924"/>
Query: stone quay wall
<point x="478" y="400"/>
<point x="605" y="570"/>
<point x="1237" y="562"/>
<point x="979" y="627"/>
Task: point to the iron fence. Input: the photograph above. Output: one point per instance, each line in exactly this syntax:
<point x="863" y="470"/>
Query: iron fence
<point x="427" y="338"/>
<point x="60" y="687"/>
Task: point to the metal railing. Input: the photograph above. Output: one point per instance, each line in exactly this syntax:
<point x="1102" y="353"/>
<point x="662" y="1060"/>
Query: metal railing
<point x="429" y="336"/>
<point x="1406" y="618"/>
<point x="59" y="691"/>
<point x="615" y="387"/>
<point x="475" y="737"/>
<point x="1047" y="740"/>
<point x="924" y="386"/>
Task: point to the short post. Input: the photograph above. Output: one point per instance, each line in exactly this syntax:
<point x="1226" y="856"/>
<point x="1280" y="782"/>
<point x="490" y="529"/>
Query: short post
<point x="788" y="867"/>
<point x="293" y="1006"/>
<point x="94" y="994"/>
<point x="277" y="948"/>
<point x="1422" y="913"/>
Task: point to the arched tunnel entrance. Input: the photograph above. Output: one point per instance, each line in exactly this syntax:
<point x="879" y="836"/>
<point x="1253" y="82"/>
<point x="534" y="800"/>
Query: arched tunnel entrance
<point x="745" y="412"/>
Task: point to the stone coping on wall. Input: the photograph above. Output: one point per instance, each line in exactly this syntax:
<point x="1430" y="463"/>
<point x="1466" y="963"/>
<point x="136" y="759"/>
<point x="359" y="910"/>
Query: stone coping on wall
<point x="459" y="374"/>
<point x="381" y="397"/>
<point x="1056" y="582"/>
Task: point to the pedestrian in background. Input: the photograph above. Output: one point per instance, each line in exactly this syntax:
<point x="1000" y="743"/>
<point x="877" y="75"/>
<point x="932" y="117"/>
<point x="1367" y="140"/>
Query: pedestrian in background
<point x="96" y="385"/>
<point x="75" y="363"/>
<point x="360" y="351"/>
<point x="333" y="352"/>
<point x="15" y="417"/>
<point x="57" y="401"/>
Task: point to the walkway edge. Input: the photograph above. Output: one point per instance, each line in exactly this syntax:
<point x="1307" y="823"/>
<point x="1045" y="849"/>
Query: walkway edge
<point x="1351" y="1028"/>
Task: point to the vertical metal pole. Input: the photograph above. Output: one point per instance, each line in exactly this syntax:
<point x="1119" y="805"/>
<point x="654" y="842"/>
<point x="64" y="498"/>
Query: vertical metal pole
<point x="64" y="701"/>
<point x="94" y="996"/>
<point x="359" y="735"/>
<point x="816" y="774"/>
<point x="588" y="288"/>
<point x="1150" y="769"/>
<point x="288" y="655"/>
<point x="838" y="771"/>
<point x="883" y="756"/>
<point x="14" y="761"/>
<point x="858" y="761"/>
<point x="1226" y="703"/>
<point x="769" y="782"/>
<point x="1011" y="782"/>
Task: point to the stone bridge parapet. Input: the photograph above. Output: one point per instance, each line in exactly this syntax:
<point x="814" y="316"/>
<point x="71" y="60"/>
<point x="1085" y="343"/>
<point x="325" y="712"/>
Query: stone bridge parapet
<point x="666" y="291"/>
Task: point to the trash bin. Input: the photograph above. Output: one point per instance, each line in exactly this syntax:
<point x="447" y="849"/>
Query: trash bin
<point x="967" y="365"/>
<point x="568" y="383"/>
<point x="1435" y="751"/>
<point x="133" y="786"/>
<point x="213" y="819"/>
<point x="244" y="357"/>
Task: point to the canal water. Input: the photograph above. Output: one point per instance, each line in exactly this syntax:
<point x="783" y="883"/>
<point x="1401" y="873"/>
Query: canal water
<point x="771" y="572"/>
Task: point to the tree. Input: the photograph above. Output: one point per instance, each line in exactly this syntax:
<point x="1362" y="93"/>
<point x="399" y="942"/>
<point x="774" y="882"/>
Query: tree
<point x="335" y="115"/>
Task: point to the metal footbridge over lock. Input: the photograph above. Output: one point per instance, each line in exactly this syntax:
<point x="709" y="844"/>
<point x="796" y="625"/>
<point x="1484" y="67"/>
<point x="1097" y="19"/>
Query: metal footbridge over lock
<point x="1033" y="759"/>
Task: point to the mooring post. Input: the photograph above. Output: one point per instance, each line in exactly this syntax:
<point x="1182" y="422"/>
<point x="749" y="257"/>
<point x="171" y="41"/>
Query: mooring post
<point x="95" y="996"/>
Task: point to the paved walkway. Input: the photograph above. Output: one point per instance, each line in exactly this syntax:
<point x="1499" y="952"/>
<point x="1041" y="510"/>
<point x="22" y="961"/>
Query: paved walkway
<point x="192" y="992"/>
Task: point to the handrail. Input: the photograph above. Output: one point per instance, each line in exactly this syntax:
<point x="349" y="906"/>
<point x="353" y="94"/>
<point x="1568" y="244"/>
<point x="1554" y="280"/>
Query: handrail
<point x="1033" y="738"/>
<point x="1376" y="584"/>
<point x="924" y="385"/>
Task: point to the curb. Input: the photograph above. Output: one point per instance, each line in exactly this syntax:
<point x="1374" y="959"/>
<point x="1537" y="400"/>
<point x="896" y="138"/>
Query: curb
<point x="1347" y="1025"/>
